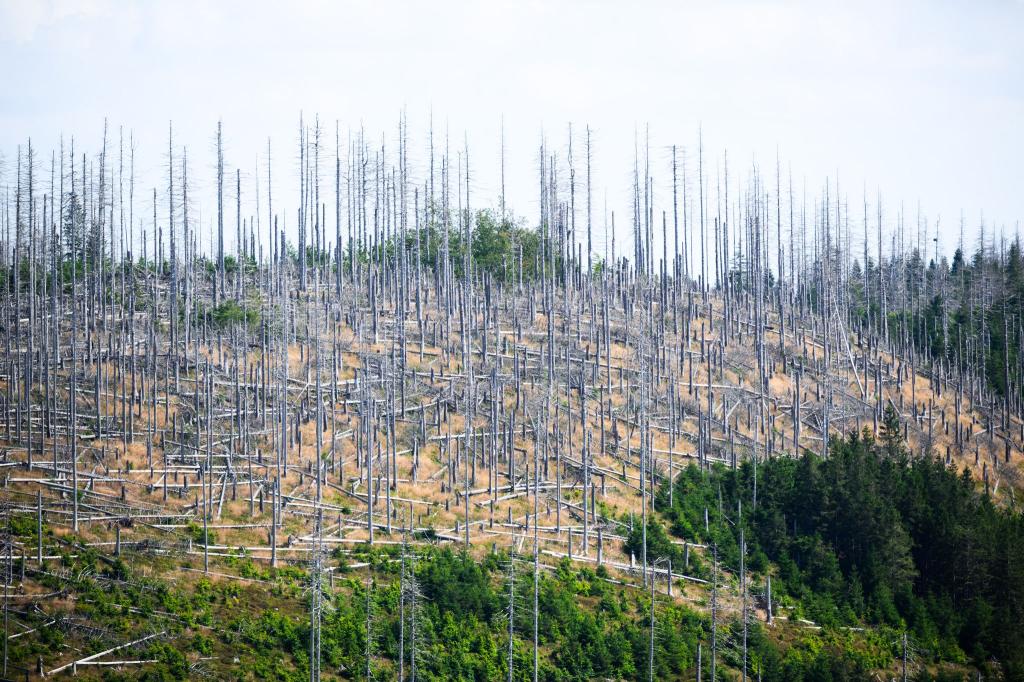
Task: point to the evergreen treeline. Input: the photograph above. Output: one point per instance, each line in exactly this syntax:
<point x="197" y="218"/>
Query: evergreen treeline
<point x="966" y="315"/>
<point x="871" y="536"/>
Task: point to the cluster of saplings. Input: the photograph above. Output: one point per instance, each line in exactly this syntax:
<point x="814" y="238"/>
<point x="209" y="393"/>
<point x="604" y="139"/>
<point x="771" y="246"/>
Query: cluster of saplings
<point x="500" y="247"/>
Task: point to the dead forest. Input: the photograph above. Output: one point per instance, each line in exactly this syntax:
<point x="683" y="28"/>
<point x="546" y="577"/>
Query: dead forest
<point x="202" y="377"/>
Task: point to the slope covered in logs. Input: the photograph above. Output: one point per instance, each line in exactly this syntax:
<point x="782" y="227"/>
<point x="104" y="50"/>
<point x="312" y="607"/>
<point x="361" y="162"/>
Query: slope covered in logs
<point x="215" y="438"/>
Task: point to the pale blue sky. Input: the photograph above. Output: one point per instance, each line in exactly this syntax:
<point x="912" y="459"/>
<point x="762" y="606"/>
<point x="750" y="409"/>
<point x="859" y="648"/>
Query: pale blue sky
<point x="924" y="100"/>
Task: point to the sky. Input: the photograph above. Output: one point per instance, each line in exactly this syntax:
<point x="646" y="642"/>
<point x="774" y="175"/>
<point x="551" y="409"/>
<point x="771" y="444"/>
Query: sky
<point x="920" y="102"/>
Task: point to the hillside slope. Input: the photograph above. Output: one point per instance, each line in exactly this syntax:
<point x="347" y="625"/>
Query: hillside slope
<point x="273" y="423"/>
